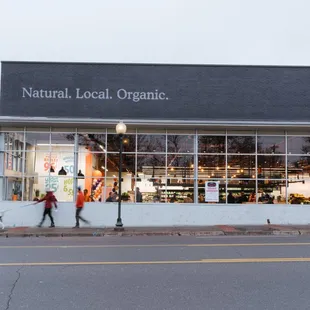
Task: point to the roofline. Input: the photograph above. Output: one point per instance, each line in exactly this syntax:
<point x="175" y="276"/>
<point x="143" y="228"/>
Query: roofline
<point x="152" y="64"/>
<point x="6" y="120"/>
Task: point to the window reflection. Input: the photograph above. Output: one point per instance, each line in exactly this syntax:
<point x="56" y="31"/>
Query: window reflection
<point x="241" y="144"/>
<point x="151" y="143"/>
<point x="211" y="144"/>
<point x="272" y="167"/>
<point x="298" y="145"/>
<point x="181" y="165"/>
<point x="180" y="144"/>
<point x="91" y="142"/>
<point x="211" y="166"/>
<point x="241" y="166"/>
<point x="271" y="145"/>
<point x="129" y="143"/>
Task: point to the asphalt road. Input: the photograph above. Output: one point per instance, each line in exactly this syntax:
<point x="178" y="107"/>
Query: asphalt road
<point x="155" y="273"/>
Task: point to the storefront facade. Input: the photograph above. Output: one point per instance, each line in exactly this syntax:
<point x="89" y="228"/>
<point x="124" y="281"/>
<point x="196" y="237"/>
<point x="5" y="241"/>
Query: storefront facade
<point x="204" y="145"/>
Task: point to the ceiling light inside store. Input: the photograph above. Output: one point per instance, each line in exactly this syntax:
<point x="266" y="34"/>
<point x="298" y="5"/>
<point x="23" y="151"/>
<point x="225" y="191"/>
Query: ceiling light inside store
<point x="102" y="148"/>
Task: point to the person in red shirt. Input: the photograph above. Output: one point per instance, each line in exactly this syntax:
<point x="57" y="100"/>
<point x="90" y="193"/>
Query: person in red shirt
<point x="50" y="200"/>
<point x="79" y="207"/>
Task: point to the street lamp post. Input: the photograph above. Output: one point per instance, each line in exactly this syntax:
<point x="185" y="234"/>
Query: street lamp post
<point x="120" y="130"/>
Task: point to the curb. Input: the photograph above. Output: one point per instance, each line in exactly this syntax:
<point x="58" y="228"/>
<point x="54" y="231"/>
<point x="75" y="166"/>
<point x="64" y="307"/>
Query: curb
<point x="287" y="232"/>
<point x="101" y="234"/>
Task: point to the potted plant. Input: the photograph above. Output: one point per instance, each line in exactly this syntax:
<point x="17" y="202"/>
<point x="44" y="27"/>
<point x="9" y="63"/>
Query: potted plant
<point x="15" y="192"/>
<point x="125" y="196"/>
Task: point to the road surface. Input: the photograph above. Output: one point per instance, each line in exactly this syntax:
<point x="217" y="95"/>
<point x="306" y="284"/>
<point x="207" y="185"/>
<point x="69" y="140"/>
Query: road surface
<point x="155" y="273"/>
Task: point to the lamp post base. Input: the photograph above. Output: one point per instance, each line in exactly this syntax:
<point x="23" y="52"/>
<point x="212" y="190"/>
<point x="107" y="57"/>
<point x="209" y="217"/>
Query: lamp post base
<point x="119" y="225"/>
<point x="116" y="228"/>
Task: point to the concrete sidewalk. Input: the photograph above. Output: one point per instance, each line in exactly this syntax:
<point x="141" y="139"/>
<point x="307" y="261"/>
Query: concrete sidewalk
<point x="219" y="230"/>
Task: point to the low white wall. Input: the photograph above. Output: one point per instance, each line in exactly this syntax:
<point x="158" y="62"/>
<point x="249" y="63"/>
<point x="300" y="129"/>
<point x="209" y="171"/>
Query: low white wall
<point x="104" y="215"/>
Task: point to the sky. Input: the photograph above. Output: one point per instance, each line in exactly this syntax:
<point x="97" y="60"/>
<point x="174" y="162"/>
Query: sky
<point x="262" y="32"/>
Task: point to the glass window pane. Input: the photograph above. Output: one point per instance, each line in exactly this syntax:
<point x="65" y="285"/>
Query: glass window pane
<point x="151" y="177"/>
<point x="222" y="191"/>
<point x="298" y="167"/>
<point x="180" y="144"/>
<point x="62" y="139"/>
<point x="181" y="194"/>
<point x="298" y="179"/>
<point x="241" y="191"/>
<point x="211" y="166"/>
<point x="271" y="167"/>
<point x="12" y="188"/>
<point x="241" y="166"/>
<point x="151" y="143"/>
<point x="128" y="164"/>
<point x="271" y="145"/>
<point x="298" y="145"/>
<point x="62" y="161"/>
<point x="211" y="144"/>
<point x="93" y="188"/>
<point x="151" y="165"/>
<point x="129" y="143"/>
<point x="91" y="142"/>
<point x="13" y="141"/>
<point x="90" y="163"/>
<point x="34" y="139"/>
<point x="241" y="144"/>
<point x="181" y="166"/>
<point x="271" y="191"/>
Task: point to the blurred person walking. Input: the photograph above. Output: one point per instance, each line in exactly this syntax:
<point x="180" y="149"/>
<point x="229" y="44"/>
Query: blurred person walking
<point x="79" y="207"/>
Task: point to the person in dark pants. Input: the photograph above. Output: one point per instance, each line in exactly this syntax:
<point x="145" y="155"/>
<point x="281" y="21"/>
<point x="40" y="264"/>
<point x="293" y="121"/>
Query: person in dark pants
<point x="138" y="195"/>
<point x="79" y="207"/>
<point x="50" y="200"/>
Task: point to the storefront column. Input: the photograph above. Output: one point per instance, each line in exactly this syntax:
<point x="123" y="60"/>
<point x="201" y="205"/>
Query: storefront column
<point x="2" y="158"/>
<point x="196" y="168"/>
<point x="75" y="164"/>
<point x="286" y="169"/>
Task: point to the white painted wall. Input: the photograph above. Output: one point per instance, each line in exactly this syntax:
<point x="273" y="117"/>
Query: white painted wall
<point x="159" y="214"/>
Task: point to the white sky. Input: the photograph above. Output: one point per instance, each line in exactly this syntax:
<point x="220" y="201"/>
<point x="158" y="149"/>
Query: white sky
<point x="164" y="31"/>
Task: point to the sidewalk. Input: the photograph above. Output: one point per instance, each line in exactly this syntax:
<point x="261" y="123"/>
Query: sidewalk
<point x="219" y="230"/>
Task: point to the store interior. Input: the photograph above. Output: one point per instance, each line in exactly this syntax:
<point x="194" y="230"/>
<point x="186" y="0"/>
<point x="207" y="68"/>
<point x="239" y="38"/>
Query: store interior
<point x="161" y="167"/>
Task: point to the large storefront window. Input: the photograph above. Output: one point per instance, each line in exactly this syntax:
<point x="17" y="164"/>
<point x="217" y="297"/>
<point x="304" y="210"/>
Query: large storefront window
<point x="157" y="167"/>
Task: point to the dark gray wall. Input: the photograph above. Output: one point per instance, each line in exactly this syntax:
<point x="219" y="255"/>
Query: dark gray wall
<point x="191" y="92"/>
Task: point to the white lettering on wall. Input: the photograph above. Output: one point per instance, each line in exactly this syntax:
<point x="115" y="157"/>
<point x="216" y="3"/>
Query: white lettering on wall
<point x="45" y="94"/>
<point x="135" y="96"/>
<point x="86" y="94"/>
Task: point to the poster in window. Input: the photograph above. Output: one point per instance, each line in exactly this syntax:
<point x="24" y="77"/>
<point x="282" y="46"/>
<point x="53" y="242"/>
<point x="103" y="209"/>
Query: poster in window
<point x="212" y="191"/>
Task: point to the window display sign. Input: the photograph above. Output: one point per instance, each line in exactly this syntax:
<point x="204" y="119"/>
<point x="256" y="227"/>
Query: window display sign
<point x="212" y="191"/>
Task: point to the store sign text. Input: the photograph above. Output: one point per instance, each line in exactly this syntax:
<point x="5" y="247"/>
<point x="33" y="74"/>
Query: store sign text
<point x="105" y="94"/>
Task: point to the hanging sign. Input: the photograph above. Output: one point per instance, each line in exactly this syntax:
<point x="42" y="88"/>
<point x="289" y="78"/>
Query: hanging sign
<point x="212" y="191"/>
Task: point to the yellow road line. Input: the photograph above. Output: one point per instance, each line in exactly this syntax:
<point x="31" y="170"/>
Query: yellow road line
<point x="153" y="245"/>
<point x="203" y="261"/>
